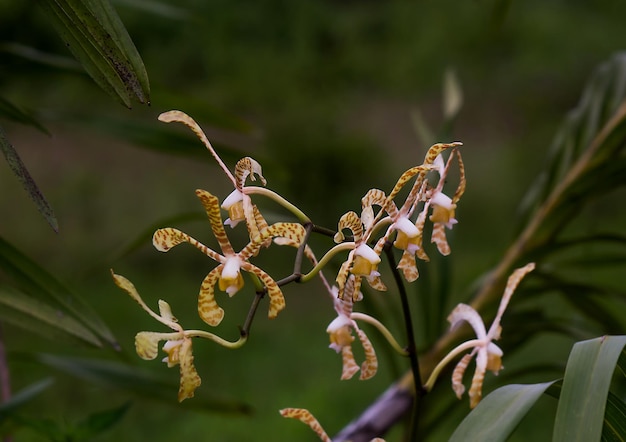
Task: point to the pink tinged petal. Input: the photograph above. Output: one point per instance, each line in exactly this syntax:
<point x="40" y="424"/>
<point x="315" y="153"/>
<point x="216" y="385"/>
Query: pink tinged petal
<point x="494" y="358"/>
<point x="457" y="375"/>
<point x="339" y="333"/>
<point x="189" y="378"/>
<point x="464" y="312"/>
<point x="209" y="311"/>
<point x="476" y="389"/>
<point x="511" y="285"/>
<point x="234" y="205"/>
<point x="370" y="366"/>
<point x="307" y="418"/>
<point x="376" y="283"/>
<point x="350" y="366"/>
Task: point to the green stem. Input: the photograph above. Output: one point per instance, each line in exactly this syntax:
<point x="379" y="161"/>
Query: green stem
<point x="210" y="336"/>
<point x="327" y="257"/>
<point x="382" y="329"/>
<point x="430" y="383"/>
<point x="248" y="190"/>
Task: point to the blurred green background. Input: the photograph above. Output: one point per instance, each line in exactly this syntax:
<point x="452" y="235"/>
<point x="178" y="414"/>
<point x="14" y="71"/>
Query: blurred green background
<point x="323" y="94"/>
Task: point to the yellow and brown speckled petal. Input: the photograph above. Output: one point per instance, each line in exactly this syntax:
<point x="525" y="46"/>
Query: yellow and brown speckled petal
<point x="212" y="207"/>
<point x="208" y="309"/>
<point x="439" y="238"/>
<point x="349" y="365"/>
<point x="457" y="375"/>
<point x="168" y="237"/>
<point x="436" y="149"/>
<point x="408" y="266"/>
<point x="352" y="221"/>
<point x="369" y="367"/>
<point x="277" y="300"/>
<point x="181" y="117"/>
<point x="307" y="418"/>
<point x="189" y="378"/>
<point x="460" y="190"/>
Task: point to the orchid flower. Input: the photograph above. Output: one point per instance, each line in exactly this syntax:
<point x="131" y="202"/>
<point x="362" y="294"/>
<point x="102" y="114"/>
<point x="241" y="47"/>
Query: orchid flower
<point x="177" y="345"/>
<point x="362" y="260"/>
<point x="238" y="203"/>
<point x="488" y="355"/>
<point x="409" y="233"/>
<point x="340" y="333"/>
<point x="305" y="416"/>
<point x="228" y="273"/>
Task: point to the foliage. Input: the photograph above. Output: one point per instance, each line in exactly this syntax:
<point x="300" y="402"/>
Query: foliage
<point x="582" y="175"/>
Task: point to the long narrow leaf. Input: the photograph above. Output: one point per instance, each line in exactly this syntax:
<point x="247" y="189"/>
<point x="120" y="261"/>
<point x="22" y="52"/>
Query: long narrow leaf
<point x="22" y="174"/>
<point x="22" y="397"/>
<point x="97" y="38"/>
<point x="12" y="112"/>
<point x="35" y="280"/>
<point x="45" y="314"/>
<point x="132" y="379"/>
<point x="497" y="415"/>
<point x="580" y="414"/>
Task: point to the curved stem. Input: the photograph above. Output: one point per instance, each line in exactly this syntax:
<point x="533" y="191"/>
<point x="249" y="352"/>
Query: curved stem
<point x="322" y="262"/>
<point x="382" y="329"/>
<point x="248" y="190"/>
<point x="210" y="336"/>
<point x="430" y="383"/>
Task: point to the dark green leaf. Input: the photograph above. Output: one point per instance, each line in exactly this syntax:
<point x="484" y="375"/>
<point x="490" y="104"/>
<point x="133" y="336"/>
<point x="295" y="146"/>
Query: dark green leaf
<point x="20" y="171"/>
<point x="98" y="423"/>
<point x="12" y="112"/>
<point x="36" y="281"/>
<point x="580" y="413"/>
<point x="44" y="58"/>
<point x="96" y="36"/>
<point x="132" y="379"/>
<point x="614" y="429"/>
<point x="42" y="313"/>
<point x="22" y="397"/>
<point x="497" y="415"/>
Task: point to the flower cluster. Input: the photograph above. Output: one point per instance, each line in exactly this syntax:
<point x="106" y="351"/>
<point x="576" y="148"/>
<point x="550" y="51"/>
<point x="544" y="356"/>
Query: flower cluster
<point x="417" y="205"/>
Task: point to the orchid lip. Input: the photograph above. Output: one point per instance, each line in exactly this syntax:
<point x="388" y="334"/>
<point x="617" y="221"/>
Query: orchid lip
<point x="368" y="253"/>
<point x="231" y="199"/>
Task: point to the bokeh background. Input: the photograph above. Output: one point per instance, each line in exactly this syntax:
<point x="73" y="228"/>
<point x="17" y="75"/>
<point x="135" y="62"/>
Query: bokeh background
<point x="325" y="95"/>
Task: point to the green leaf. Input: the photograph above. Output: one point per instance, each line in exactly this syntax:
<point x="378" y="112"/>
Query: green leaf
<point x="95" y="35"/>
<point x="580" y="413"/>
<point x="98" y="423"/>
<point x="132" y="379"/>
<point x="42" y="313"/>
<point x="614" y="429"/>
<point x="35" y="280"/>
<point x="14" y="113"/>
<point x="22" y="397"/>
<point x="497" y="415"/>
<point x="43" y="58"/>
<point x="22" y="174"/>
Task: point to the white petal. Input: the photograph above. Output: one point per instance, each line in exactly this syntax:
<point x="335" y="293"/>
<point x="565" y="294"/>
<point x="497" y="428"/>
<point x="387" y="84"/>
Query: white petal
<point x="407" y="227"/>
<point x="368" y="253"/>
<point x="231" y="268"/>
<point x="231" y="199"/>
<point x="337" y="323"/>
<point x="441" y="199"/>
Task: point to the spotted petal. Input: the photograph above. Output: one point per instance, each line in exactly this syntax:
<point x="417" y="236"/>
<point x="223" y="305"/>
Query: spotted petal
<point x="349" y="365"/>
<point x="307" y="418"/>
<point x="147" y="344"/>
<point x="369" y="367"/>
<point x="189" y="378"/>
<point x="209" y="311"/>
<point x="212" y="207"/>
<point x="277" y="300"/>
